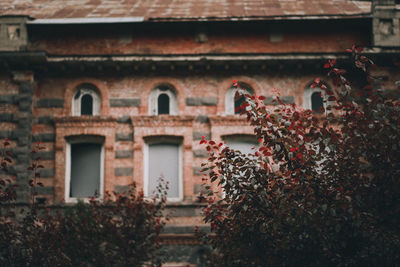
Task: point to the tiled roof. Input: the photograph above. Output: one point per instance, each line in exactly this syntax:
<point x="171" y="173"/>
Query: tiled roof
<point x="182" y="9"/>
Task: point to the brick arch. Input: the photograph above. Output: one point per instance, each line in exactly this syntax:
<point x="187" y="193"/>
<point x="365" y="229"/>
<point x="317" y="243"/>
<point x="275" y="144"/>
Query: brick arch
<point x="71" y="88"/>
<point x="227" y="84"/>
<point x="306" y="86"/>
<point x="174" y="84"/>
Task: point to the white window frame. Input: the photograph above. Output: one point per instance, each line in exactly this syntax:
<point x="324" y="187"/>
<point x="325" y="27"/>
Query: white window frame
<point x="146" y="168"/>
<point x="230" y="100"/>
<point x="307" y="103"/>
<point x="153" y="101"/>
<point x="76" y="103"/>
<point x="239" y="138"/>
<point x="88" y="139"/>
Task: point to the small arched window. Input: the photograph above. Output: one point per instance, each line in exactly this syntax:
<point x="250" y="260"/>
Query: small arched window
<point x="163" y="101"/>
<point x="86" y="101"/>
<point x="314" y="99"/>
<point x="317" y="102"/>
<point x="163" y="104"/>
<point x="232" y="104"/>
<point x="87" y="105"/>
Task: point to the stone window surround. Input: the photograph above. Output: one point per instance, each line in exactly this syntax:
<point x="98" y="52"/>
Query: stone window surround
<point x="230" y="96"/>
<point x="72" y="87"/>
<point x="168" y="128"/>
<point x="77" y="139"/>
<point x="162" y="139"/>
<point x="153" y="99"/>
<point x="307" y="94"/>
<point x="69" y="129"/>
<point x="86" y="89"/>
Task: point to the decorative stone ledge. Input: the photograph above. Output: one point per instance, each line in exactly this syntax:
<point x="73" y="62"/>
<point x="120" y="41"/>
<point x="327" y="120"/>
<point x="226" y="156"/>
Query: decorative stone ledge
<point x="198" y="135"/>
<point x="123" y="171"/>
<point x="123" y="154"/>
<point x="50" y="103"/>
<point x="288" y="99"/>
<point x="8" y="99"/>
<point x="200" y="153"/>
<point x="124" y="136"/>
<point x="201" y="101"/>
<point x="47" y="173"/>
<point x="6" y="117"/>
<point x="46" y="190"/>
<point x="202" y="119"/>
<point x="45" y="137"/>
<point x="45" y="120"/>
<point x="125" y="102"/>
<point x="44" y="155"/>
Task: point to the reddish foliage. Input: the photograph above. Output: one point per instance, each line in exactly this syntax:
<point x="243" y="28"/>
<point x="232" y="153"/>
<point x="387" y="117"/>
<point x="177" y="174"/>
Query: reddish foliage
<point x="123" y="229"/>
<point x="328" y="191"/>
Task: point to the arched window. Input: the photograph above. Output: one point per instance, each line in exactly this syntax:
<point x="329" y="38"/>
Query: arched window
<point x="163" y="104"/>
<point x="232" y="104"/>
<point x="86" y="101"/>
<point x="314" y="99"/>
<point x="163" y="101"/>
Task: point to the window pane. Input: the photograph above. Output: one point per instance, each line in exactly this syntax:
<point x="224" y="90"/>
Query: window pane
<point x="164" y="162"/>
<point x="316" y="102"/>
<point x="163" y="104"/>
<point x="238" y="103"/>
<point x="87" y="105"/>
<point x="85" y="170"/>
<point x="243" y="146"/>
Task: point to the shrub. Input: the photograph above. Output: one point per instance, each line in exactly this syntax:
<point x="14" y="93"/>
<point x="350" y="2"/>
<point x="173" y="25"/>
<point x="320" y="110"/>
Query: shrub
<point x="322" y="189"/>
<point x="123" y="229"/>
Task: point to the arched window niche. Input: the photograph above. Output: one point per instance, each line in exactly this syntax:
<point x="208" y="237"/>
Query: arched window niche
<point x="86" y="101"/>
<point x="163" y="101"/>
<point x="232" y="104"/>
<point x="314" y="99"/>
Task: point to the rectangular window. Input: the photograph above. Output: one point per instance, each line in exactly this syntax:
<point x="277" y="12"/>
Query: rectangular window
<point x="163" y="160"/>
<point x="84" y="171"/>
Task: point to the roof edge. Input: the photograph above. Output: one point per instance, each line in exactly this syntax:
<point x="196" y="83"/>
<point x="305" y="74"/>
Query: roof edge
<point x="61" y="21"/>
<point x="87" y="20"/>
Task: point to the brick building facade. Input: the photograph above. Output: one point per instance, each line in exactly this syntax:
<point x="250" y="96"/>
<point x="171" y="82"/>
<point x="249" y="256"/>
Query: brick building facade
<point x="134" y="85"/>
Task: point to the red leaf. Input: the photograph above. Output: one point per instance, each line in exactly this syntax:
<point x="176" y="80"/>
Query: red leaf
<point x="327" y="66"/>
<point x="261" y="97"/>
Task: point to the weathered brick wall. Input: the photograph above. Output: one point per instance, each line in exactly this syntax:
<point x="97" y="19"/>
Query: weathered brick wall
<point x="126" y="99"/>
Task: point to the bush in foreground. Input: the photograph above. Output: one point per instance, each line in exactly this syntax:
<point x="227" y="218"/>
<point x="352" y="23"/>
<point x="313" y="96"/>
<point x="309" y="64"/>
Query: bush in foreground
<point x="321" y="189"/>
<point x="121" y="230"/>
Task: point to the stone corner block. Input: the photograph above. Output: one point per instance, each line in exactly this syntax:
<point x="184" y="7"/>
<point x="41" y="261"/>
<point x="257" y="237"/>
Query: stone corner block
<point x="123" y="171"/>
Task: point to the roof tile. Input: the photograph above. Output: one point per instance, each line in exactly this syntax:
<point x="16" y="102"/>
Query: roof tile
<point x="182" y="9"/>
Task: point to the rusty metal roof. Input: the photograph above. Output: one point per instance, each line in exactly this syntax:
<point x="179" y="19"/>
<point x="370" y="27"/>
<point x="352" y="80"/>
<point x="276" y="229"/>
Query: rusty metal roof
<point x="182" y="10"/>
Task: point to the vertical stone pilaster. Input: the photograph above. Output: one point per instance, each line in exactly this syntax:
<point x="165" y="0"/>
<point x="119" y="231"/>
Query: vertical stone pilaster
<point x="385" y="23"/>
<point x="24" y="117"/>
